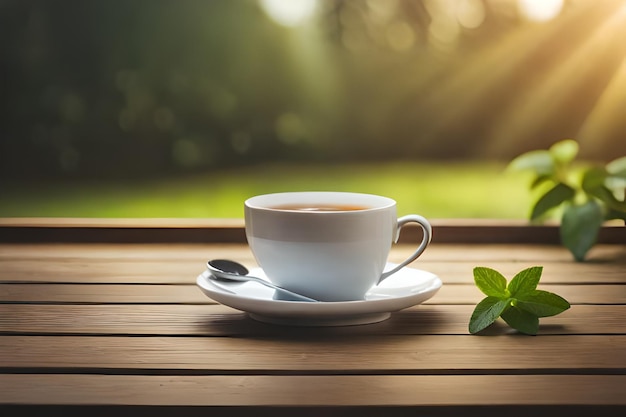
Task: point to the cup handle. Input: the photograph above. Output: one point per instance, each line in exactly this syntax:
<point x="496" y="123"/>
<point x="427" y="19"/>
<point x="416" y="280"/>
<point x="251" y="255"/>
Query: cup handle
<point x="428" y="233"/>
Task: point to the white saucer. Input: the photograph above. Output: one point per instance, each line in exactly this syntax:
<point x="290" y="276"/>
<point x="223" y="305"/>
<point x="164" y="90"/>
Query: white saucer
<point x="405" y="288"/>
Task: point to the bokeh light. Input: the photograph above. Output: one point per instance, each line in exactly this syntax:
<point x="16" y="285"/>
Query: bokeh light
<point x="540" y="10"/>
<point x="191" y="85"/>
<point x="289" y="13"/>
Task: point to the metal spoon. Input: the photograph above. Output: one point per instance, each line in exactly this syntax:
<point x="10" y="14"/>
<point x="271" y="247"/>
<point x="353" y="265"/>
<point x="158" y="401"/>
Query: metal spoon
<point x="228" y="270"/>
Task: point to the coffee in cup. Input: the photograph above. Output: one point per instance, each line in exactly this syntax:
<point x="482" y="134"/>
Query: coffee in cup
<point x="330" y="246"/>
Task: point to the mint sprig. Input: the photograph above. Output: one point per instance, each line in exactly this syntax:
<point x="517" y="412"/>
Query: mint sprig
<point x="519" y="303"/>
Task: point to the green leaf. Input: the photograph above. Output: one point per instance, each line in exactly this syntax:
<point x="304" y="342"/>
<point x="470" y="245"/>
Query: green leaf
<point x="617" y="167"/>
<point x="542" y="303"/>
<point x="608" y="198"/>
<point x="540" y="161"/>
<point x="616" y="170"/>
<point x="564" y="151"/>
<point x="486" y="312"/>
<point x="522" y="312"/>
<point x="553" y="198"/>
<point x="490" y="282"/>
<point x="594" y="183"/>
<point x="540" y="179"/>
<point x="580" y="226"/>
<point x="594" y="178"/>
<point x="616" y="184"/>
<point x="521" y="320"/>
<point x="525" y="281"/>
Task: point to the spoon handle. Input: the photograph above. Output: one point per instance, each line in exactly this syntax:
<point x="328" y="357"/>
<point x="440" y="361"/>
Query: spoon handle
<point x="245" y="278"/>
<point x="291" y="294"/>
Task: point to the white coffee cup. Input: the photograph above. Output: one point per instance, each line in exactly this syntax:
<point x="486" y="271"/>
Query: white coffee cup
<point x="331" y="246"/>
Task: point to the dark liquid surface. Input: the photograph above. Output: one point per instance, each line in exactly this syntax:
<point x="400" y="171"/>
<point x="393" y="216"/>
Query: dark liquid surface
<point x="321" y="207"/>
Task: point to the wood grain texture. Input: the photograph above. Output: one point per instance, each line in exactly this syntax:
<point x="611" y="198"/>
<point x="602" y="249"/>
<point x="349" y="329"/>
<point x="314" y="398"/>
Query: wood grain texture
<point x="511" y="252"/>
<point x="190" y="294"/>
<point x="232" y="230"/>
<point x="325" y="355"/>
<point x="336" y="390"/>
<point x="171" y="264"/>
<point x="121" y="329"/>
<point x="215" y="320"/>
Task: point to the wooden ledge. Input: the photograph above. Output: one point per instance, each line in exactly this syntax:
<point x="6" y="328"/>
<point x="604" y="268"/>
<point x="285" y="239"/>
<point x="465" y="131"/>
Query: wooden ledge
<point x="96" y="230"/>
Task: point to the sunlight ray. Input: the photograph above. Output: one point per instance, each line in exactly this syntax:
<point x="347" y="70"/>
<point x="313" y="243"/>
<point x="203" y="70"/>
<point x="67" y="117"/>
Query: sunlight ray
<point x="499" y="60"/>
<point x="458" y="92"/>
<point x="609" y="110"/>
<point x="584" y="69"/>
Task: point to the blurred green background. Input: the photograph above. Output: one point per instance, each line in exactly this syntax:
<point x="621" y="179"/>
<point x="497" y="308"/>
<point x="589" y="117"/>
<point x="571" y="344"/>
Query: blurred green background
<point x="158" y="108"/>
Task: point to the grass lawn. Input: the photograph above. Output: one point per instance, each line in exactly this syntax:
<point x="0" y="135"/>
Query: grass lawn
<point x="435" y="190"/>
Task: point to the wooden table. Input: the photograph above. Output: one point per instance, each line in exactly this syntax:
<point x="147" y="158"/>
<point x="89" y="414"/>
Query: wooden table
<point x="95" y="320"/>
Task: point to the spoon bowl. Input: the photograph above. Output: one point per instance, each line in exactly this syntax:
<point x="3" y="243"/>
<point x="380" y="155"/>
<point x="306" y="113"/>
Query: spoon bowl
<point x="227" y="270"/>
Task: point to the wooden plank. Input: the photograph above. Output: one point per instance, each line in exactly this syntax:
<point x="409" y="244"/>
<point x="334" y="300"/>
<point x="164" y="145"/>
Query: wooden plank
<point x="201" y="252"/>
<point x="221" y="320"/>
<point x="145" y="264"/>
<point x="362" y="355"/>
<point x="314" y="411"/>
<point x="91" y="230"/>
<point x="553" y="273"/>
<point x="517" y="253"/>
<point x="186" y="273"/>
<point x="119" y="252"/>
<point x="232" y="230"/>
<point x="575" y="294"/>
<point x="301" y="391"/>
<point x="103" y="294"/>
<point x="190" y="294"/>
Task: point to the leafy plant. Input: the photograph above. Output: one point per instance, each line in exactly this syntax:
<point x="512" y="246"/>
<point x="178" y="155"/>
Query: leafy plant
<point x="588" y="195"/>
<point x="519" y="303"/>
